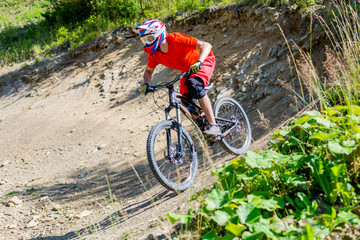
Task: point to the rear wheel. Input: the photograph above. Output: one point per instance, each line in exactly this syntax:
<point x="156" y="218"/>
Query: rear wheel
<point x="231" y="117"/>
<point x="173" y="170"/>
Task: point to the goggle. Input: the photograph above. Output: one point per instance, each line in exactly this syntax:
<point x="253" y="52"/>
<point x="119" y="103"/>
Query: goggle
<point x="148" y="39"/>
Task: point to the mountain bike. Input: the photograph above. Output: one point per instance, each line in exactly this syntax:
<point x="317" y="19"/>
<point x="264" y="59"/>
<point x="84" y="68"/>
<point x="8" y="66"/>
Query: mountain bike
<point x="170" y="149"/>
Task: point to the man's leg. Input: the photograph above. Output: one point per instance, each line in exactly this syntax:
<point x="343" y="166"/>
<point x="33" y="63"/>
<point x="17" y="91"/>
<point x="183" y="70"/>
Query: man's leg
<point x="196" y="90"/>
<point x="206" y="107"/>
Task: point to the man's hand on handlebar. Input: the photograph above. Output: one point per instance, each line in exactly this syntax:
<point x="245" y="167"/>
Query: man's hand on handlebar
<point x="144" y="89"/>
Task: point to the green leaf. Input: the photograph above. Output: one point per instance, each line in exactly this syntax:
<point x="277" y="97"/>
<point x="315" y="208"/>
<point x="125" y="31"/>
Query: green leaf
<point x="248" y="214"/>
<point x="228" y="236"/>
<point x="221" y="217"/>
<point x="214" y="199"/>
<point x="264" y="226"/>
<point x="349" y="143"/>
<point x="310" y="234"/>
<point x="256" y="160"/>
<point x="252" y="236"/>
<point x="348" y="217"/>
<point x="313" y="113"/>
<point x="323" y="136"/>
<point x="340" y="108"/>
<point x="294" y="181"/>
<point x="302" y="120"/>
<point x="355" y="119"/>
<point x="330" y="112"/>
<point x="338" y="172"/>
<point x="285" y="130"/>
<point x="316" y="165"/>
<point x="267" y="204"/>
<point x="324" y="122"/>
<point x="210" y="236"/>
<point x="235" y="229"/>
<point x="173" y="217"/>
<point x="335" y="147"/>
<point x="354" y="110"/>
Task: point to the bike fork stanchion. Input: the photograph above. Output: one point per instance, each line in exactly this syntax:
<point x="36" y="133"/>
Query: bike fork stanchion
<point x="179" y="128"/>
<point x="168" y="134"/>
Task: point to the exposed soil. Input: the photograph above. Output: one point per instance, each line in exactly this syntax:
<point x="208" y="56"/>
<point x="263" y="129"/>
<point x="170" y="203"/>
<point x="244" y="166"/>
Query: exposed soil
<point x="73" y="128"/>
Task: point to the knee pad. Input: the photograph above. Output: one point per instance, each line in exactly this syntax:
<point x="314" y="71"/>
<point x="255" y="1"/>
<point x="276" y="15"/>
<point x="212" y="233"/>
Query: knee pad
<point x="195" y="87"/>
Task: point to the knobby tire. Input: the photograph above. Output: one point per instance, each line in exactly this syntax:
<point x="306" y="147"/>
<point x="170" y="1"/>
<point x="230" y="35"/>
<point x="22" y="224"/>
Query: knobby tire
<point x="237" y="141"/>
<point x="157" y="158"/>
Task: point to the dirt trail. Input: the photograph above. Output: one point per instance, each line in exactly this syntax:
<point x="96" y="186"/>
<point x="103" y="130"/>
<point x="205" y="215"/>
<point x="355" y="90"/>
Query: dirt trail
<point x="73" y="128"/>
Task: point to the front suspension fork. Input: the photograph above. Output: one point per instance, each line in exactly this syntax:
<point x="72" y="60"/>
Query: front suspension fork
<point x="178" y="126"/>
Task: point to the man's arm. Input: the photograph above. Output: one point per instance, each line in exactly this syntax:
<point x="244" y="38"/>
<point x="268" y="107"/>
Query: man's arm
<point x="148" y="74"/>
<point x="204" y="48"/>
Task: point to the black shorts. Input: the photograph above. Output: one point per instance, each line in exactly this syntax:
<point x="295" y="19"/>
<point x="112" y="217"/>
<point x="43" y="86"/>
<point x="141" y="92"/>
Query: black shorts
<point x="195" y="87"/>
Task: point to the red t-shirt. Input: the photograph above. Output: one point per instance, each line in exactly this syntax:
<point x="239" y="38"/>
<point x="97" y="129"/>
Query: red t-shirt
<point x="181" y="53"/>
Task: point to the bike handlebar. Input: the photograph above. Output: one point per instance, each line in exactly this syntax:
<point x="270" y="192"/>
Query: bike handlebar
<point x="153" y="88"/>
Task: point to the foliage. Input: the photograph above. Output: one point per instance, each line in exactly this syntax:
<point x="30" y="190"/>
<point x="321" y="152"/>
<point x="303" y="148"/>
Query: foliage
<point x="277" y="194"/>
<point x="312" y="165"/>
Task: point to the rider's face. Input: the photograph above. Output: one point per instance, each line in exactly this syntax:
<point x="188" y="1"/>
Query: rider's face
<point x="147" y="40"/>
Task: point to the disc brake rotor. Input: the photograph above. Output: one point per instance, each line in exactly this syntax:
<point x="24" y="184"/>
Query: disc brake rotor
<point x="175" y="155"/>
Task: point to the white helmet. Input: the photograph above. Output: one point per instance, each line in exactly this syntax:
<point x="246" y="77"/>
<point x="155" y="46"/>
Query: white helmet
<point x="152" y="34"/>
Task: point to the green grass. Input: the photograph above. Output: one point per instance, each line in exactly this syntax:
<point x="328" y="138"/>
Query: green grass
<point x="20" y="13"/>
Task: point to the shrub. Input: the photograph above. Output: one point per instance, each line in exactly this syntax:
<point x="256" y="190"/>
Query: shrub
<point x="68" y="11"/>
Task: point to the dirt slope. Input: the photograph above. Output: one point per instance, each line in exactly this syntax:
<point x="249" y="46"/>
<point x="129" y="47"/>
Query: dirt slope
<point x="73" y="128"/>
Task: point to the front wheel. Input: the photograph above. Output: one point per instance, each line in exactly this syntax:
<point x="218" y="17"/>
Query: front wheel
<point x="234" y="124"/>
<point x="174" y="170"/>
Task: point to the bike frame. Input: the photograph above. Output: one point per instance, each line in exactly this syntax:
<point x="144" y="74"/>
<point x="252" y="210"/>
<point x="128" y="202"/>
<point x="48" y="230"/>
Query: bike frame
<point x="174" y="103"/>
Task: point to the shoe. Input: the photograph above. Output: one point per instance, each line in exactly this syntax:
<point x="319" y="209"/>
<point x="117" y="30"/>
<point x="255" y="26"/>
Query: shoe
<point x="213" y="130"/>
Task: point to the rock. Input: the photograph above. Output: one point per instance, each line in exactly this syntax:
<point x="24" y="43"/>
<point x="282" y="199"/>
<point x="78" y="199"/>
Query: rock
<point x="259" y="12"/>
<point x="230" y="76"/>
<point x="237" y="43"/>
<point x="257" y="81"/>
<point x="31" y="224"/>
<point x="306" y="47"/>
<point x="44" y="198"/>
<point x="270" y="91"/>
<point x="296" y="54"/>
<point x="282" y="52"/>
<point x="11" y="226"/>
<point x="270" y="29"/>
<point x="274" y="17"/>
<point x="4" y="163"/>
<point x="15" y="200"/>
<point x="293" y="8"/>
<point x="249" y="13"/>
<point x="83" y="214"/>
<point x="101" y="146"/>
<point x="303" y="40"/>
<point x="85" y="174"/>
<point x="267" y="63"/>
<point x="244" y="89"/>
<point x="56" y="207"/>
<point x="109" y="39"/>
<point x="273" y="51"/>
<point x="225" y="92"/>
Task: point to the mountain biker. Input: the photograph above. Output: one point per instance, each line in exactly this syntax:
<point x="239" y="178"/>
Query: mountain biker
<point x="181" y="52"/>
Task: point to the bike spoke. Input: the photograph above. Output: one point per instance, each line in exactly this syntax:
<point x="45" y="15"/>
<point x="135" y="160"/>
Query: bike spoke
<point x="171" y="165"/>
